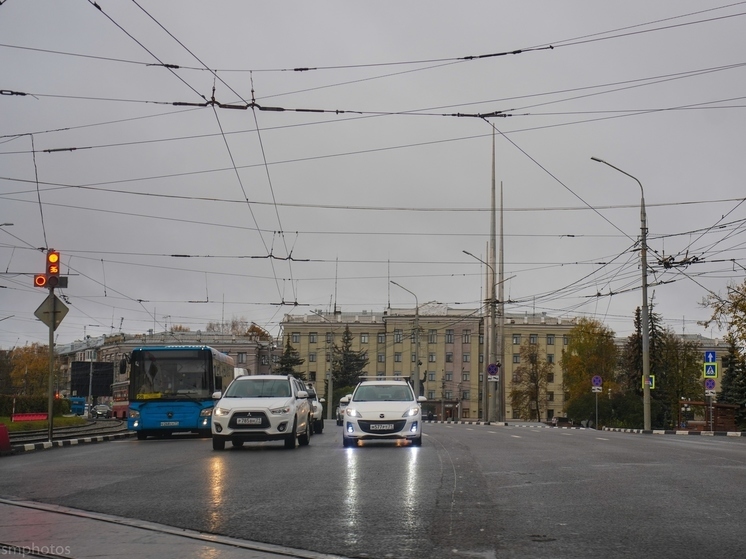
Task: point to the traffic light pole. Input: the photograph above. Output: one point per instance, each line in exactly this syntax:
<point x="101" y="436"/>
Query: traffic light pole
<point x="50" y="395"/>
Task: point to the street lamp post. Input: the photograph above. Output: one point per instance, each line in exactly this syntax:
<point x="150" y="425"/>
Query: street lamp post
<point x="330" y="384"/>
<point x="645" y="318"/>
<point x="495" y="411"/>
<point x="416" y="383"/>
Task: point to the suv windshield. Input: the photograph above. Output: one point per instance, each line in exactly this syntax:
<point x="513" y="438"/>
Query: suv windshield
<point x="259" y="388"/>
<point x="383" y="393"/>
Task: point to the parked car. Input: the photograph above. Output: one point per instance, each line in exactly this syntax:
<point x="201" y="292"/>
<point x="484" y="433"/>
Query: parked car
<point x="101" y="410"/>
<point x="317" y="409"/>
<point x="383" y="409"/>
<point x="341" y="408"/>
<point x="262" y="408"/>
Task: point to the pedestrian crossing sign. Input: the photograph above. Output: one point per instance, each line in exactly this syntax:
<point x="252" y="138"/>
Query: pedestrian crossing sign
<point x="710" y="370"/>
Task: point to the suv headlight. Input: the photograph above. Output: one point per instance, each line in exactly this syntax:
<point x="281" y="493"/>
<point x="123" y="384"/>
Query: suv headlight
<point x="283" y="410"/>
<point x="221" y="411"/>
<point x="414" y="410"/>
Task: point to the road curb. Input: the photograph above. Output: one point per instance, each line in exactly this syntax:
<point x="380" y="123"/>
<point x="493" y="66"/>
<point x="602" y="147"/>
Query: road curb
<point x="678" y="432"/>
<point x="30" y="447"/>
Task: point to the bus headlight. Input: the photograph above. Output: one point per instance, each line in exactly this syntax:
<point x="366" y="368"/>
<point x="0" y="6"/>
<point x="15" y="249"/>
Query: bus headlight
<point x="134" y="414"/>
<point x="207" y="412"/>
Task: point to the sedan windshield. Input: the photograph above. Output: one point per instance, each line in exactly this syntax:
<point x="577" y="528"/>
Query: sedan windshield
<point x="383" y="393"/>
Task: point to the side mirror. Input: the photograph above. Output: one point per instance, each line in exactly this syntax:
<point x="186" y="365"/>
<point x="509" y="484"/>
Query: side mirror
<point x="322" y="400"/>
<point x="345" y="399"/>
<point x="301" y="394"/>
<point x="217" y="395"/>
<point x="421" y="399"/>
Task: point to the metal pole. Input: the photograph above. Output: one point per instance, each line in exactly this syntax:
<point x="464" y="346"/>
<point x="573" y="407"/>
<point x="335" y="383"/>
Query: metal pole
<point x="50" y="392"/>
<point x="416" y="383"/>
<point x="645" y="317"/>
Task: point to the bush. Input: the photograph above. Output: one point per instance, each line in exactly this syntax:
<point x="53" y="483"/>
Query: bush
<point x="31" y="404"/>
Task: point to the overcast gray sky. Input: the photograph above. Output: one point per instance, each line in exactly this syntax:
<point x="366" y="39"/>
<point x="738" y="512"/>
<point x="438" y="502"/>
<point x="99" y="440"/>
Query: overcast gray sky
<point x="166" y="212"/>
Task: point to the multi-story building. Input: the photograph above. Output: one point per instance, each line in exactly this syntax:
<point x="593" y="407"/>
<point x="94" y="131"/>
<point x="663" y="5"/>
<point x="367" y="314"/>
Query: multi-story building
<point x="449" y="350"/>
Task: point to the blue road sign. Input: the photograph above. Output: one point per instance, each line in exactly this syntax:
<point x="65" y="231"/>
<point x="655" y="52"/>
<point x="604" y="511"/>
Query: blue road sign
<point x="710" y="370"/>
<point x="597" y="381"/>
<point x="492" y="369"/>
<point x="710" y="384"/>
<point x="709" y="356"/>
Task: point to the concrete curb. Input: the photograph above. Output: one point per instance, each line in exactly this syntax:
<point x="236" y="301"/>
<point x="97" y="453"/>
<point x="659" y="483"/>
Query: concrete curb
<point x="499" y="424"/>
<point x="675" y="432"/>
<point x="16" y="449"/>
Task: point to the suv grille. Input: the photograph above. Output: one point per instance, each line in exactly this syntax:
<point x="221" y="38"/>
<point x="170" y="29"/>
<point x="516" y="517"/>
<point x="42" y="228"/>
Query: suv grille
<point x="262" y="421"/>
<point x="398" y="425"/>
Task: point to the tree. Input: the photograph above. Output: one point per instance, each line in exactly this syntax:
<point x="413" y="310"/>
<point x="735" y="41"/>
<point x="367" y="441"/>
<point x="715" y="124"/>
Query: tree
<point x="347" y="365"/>
<point x="591" y="351"/>
<point x="179" y="328"/>
<point x="733" y="383"/>
<point x="529" y="393"/>
<point x="289" y="360"/>
<point x="30" y="370"/>
<point x="730" y="312"/>
<point x="679" y="372"/>
<point x="630" y="361"/>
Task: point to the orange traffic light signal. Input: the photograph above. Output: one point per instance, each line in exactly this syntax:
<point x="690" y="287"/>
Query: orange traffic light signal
<point x="40" y="280"/>
<point x="53" y="263"/>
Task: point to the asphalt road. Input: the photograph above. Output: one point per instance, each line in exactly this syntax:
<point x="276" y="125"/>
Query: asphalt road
<point x="469" y="491"/>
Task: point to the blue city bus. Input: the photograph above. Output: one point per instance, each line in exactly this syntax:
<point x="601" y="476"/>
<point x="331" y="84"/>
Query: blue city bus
<point x="171" y="387"/>
<point x="77" y="405"/>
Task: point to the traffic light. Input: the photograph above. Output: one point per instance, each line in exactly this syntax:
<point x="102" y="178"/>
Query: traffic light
<point x="53" y="268"/>
<point x="40" y="280"/>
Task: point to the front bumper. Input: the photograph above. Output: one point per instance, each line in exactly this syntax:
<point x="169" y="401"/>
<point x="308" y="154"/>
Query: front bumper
<point x="361" y="429"/>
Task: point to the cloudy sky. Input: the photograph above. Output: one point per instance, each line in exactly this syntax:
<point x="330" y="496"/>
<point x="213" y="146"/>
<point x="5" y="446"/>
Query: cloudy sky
<point x="143" y="140"/>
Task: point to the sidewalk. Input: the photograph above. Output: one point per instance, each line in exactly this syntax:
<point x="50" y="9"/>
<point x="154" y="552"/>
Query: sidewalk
<point x="29" y="529"/>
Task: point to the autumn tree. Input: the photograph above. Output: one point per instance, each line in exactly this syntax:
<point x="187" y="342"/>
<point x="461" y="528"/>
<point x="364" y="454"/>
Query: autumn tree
<point x="678" y="375"/>
<point x="730" y="313"/>
<point x="347" y="365"/>
<point x="591" y="351"/>
<point x="29" y="371"/>
<point x="529" y="393"/>
<point x="289" y="360"/>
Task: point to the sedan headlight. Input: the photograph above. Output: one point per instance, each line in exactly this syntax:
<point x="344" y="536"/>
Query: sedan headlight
<point x="353" y="412"/>
<point x="221" y="411"/>
<point x="414" y="410"/>
<point x="283" y="410"/>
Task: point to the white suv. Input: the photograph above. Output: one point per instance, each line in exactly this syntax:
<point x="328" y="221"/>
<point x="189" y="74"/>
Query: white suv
<point x="382" y="409"/>
<point x="262" y="408"/>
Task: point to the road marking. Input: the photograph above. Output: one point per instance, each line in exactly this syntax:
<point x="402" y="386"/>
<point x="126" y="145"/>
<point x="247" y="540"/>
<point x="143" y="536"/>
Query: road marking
<point x="493" y="432"/>
<point x="516" y="436"/>
<point x="601" y="439"/>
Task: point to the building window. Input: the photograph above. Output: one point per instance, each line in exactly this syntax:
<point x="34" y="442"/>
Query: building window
<point x="380" y="376"/>
<point x="466" y="357"/>
<point x="516" y="339"/>
<point x="449" y="336"/>
<point x="264" y="360"/>
<point x="381" y="337"/>
<point x="550" y="377"/>
<point x="241" y="357"/>
<point x="550" y="357"/>
<point x="312" y="358"/>
<point x="328" y="357"/>
<point x="465" y="395"/>
<point x="516" y="377"/>
<point x="414" y="358"/>
<point x="397" y="357"/>
<point x="312" y="337"/>
<point x="465" y="414"/>
<point x="516" y="415"/>
<point x="381" y="357"/>
<point x="329" y="337"/>
<point x="466" y="336"/>
<point x="364" y="338"/>
<point x="481" y="339"/>
<point x="481" y="378"/>
<point x="516" y="358"/>
<point x="312" y="376"/>
<point x="397" y="374"/>
<point x="431" y="375"/>
<point x="550" y="396"/>
<point x="448" y="395"/>
<point x="448" y="375"/>
<point x="533" y="339"/>
<point x="431" y="358"/>
<point x="432" y="336"/>
<point x="398" y="336"/>
<point x="550" y="339"/>
<point x="565" y="340"/>
<point x="449" y="357"/>
<point x="295" y="337"/>
<point x="431" y="394"/>
<point x="465" y="377"/>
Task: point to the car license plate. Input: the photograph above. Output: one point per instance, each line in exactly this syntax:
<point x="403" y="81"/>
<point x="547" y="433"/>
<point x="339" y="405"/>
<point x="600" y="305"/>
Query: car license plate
<point x="169" y="423"/>
<point x="381" y="426"/>
<point x="248" y="421"/>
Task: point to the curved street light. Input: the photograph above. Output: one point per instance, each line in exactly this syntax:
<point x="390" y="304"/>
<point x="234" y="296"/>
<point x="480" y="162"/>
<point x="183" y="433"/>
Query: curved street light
<point x="645" y="318"/>
<point x="416" y="383"/>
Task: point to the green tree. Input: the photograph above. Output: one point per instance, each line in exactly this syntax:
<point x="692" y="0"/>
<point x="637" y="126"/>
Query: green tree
<point x="529" y="393"/>
<point x="347" y="365"/>
<point x="733" y="383"/>
<point x="679" y="372"/>
<point x="591" y="351"/>
<point x="289" y="360"/>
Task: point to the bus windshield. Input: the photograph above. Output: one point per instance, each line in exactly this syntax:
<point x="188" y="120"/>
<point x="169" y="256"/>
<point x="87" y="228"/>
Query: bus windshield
<point x="170" y="374"/>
